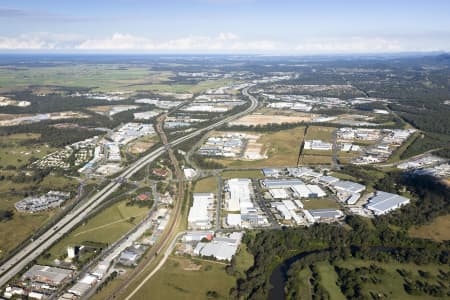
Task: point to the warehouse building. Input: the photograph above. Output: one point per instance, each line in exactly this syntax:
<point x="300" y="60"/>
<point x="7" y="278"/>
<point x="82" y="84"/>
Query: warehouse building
<point x="221" y="247"/>
<point x="323" y="215"/>
<point x="308" y="191"/>
<point x="317" y="145"/>
<point x="50" y="275"/>
<point x="279" y="193"/>
<point x="238" y="194"/>
<point x="349" y="187"/>
<point x="383" y="203"/>
<point x="280" y="183"/>
<point x="199" y="215"/>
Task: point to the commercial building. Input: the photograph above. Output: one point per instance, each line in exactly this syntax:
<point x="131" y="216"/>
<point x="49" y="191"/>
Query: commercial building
<point x="349" y="187"/>
<point x="238" y="194"/>
<point x="317" y="145"/>
<point x="279" y="193"/>
<point x="308" y="191"/>
<point x="383" y="202"/>
<point x="323" y="215"/>
<point x="221" y="247"/>
<point x="199" y="214"/>
<point x="280" y="183"/>
<point x="239" y="198"/>
<point x="303" y="172"/>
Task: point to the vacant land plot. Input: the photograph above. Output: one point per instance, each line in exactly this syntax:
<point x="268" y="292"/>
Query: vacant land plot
<point x="319" y="203"/>
<point x="320" y="133"/>
<point x="20" y="227"/>
<point x="280" y="147"/>
<point x="206" y="185"/>
<point x="438" y="230"/>
<point x="316" y="159"/>
<point x="242" y="174"/>
<point x="105" y="228"/>
<point x="263" y="119"/>
<point x="173" y="281"/>
<point x="142" y="144"/>
<point x="14" y="153"/>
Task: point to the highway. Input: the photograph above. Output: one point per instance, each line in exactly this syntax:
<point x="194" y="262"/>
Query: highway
<point x="35" y="248"/>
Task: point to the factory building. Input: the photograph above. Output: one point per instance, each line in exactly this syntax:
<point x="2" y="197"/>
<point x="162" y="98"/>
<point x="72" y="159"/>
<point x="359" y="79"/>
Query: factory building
<point x="383" y="203"/>
<point x="280" y="183"/>
<point x="317" y="145"/>
<point x="349" y="187"/>
<point x="323" y="215"/>
<point x="308" y="191"/>
<point x="221" y="247"/>
<point x="199" y="215"/>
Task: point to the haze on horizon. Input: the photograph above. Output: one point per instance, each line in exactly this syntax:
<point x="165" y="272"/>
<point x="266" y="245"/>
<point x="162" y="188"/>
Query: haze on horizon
<point x="225" y="26"/>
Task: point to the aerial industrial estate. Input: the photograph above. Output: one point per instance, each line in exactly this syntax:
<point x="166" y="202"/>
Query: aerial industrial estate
<point x="224" y="177"/>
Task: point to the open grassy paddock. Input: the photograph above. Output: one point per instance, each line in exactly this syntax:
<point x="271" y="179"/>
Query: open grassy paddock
<point x="320" y="133"/>
<point x="319" y="203"/>
<point x="206" y="185"/>
<point x="20" y="227"/>
<point x="242" y="174"/>
<point x="438" y="230"/>
<point x="180" y="279"/>
<point x="14" y="153"/>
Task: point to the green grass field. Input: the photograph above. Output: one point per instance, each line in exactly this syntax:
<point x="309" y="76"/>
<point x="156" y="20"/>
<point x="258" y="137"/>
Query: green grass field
<point x="320" y="133"/>
<point x="303" y="284"/>
<point x="242" y="174"/>
<point x="206" y="185"/>
<point x="328" y="277"/>
<point x="105" y="227"/>
<point x="244" y="260"/>
<point x="100" y="77"/>
<point x="103" y="78"/>
<point x="319" y="203"/>
<point x="22" y="225"/>
<point x="12" y="153"/>
<point x="316" y="159"/>
<point x="175" y="282"/>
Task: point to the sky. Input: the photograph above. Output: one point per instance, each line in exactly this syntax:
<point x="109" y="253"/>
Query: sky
<point x="225" y="26"/>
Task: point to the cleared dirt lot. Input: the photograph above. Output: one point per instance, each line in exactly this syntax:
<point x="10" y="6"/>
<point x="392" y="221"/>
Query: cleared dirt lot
<point x="261" y="120"/>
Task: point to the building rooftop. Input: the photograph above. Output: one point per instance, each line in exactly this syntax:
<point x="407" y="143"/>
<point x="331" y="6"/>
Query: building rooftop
<point x="384" y="202"/>
<point x="349" y="186"/>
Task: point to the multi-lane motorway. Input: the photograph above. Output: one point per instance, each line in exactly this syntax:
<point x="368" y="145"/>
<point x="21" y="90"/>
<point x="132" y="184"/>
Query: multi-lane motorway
<point x="35" y="248"/>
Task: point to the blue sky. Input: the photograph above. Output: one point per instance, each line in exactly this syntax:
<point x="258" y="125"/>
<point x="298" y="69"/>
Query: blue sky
<point x="226" y="26"/>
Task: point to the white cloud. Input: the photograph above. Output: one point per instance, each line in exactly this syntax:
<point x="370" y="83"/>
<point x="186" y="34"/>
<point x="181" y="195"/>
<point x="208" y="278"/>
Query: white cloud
<point x="350" y="45"/>
<point x="224" y="42"/>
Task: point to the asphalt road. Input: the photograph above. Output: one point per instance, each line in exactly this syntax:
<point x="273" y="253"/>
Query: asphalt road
<point x="35" y="248"/>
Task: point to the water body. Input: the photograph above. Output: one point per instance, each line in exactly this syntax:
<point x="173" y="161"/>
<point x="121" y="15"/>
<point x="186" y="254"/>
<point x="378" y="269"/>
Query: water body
<point x="278" y="278"/>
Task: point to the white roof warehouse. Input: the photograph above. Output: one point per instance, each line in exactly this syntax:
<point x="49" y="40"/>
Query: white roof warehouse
<point x="383" y="202"/>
